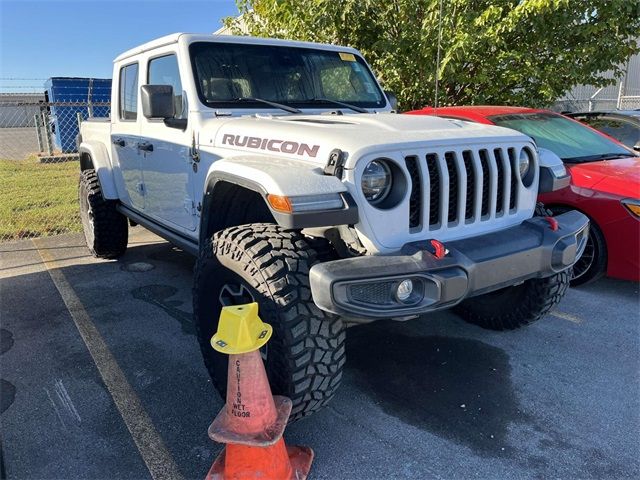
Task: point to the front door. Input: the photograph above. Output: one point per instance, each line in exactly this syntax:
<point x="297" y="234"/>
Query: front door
<point x="166" y="163"/>
<point x="125" y="136"/>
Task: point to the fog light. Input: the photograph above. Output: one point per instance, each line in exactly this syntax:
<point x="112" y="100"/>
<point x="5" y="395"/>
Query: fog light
<point x="404" y="290"/>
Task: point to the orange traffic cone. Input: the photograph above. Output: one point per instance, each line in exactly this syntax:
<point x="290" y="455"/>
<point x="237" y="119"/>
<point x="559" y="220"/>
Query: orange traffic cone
<point x="252" y="421"/>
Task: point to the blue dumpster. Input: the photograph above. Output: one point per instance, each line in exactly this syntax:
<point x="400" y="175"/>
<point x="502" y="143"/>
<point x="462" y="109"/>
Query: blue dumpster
<point x="69" y="96"/>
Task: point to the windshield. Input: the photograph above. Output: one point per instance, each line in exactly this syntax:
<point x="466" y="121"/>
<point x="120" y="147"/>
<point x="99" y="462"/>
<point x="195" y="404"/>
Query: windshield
<point x="566" y="138"/>
<point x="299" y="77"/>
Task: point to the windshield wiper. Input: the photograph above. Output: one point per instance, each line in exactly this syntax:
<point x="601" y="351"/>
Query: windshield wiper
<point x="336" y="103"/>
<point x="281" y="106"/>
<point x="595" y="158"/>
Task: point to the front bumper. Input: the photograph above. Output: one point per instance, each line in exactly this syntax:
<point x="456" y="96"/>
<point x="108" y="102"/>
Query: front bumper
<point x="364" y="287"/>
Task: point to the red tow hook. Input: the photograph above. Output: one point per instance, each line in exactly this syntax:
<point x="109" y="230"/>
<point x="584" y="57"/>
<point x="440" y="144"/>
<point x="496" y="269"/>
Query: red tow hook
<point x="553" y="223"/>
<point x="439" y="249"/>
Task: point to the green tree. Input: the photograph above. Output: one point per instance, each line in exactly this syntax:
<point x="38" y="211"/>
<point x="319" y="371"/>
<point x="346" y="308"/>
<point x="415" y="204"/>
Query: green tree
<point x="519" y="52"/>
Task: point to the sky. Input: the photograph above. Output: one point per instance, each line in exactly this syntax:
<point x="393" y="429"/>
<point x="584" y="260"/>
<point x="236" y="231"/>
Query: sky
<point x="80" y="38"/>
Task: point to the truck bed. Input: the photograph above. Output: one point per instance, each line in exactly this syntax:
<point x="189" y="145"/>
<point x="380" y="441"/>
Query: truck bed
<point x="96" y="129"/>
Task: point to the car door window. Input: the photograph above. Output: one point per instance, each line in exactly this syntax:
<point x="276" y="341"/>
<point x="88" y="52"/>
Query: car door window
<point x="128" y="95"/>
<point x="164" y="71"/>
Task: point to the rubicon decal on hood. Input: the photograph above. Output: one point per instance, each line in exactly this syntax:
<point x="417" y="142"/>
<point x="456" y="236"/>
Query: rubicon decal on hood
<point x="273" y="145"/>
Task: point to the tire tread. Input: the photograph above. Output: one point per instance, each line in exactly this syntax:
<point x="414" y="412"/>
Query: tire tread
<point x="278" y="262"/>
<point x="536" y="298"/>
<point x="111" y="229"/>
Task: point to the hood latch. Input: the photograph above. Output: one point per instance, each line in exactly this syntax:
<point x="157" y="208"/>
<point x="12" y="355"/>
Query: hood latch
<point x="335" y="165"/>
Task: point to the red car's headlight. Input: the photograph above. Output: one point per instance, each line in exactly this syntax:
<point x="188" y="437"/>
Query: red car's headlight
<point x="632" y="205"/>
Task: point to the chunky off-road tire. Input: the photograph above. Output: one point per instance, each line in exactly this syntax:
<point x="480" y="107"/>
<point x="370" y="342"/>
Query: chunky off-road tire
<point x="517" y="306"/>
<point x="592" y="265"/>
<point x="106" y="230"/>
<point x="270" y="265"/>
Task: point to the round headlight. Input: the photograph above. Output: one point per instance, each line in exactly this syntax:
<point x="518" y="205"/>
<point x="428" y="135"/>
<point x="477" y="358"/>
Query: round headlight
<point x="376" y="181"/>
<point x="524" y="162"/>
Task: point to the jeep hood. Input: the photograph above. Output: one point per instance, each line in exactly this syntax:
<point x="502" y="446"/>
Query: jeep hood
<point x="313" y="137"/>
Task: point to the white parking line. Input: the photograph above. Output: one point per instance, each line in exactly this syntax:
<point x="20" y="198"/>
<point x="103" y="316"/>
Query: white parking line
<point x="566" y="316"/>
<point x="152" y="449"/>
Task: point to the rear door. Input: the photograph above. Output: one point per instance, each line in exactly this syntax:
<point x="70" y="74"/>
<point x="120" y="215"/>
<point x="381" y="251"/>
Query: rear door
<point x="125" y="136"/>
<point x="167" y="163"/>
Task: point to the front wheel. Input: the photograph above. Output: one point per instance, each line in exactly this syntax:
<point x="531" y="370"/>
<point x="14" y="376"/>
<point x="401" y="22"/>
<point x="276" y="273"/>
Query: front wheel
<point x="514" y="307"/>
<point x="269" y="265"/>
<point x="592" y="265"/>
<point x="517" y="306"/>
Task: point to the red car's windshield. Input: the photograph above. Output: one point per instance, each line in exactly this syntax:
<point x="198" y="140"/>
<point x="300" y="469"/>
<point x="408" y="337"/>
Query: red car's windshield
<point x="566" y="138"/>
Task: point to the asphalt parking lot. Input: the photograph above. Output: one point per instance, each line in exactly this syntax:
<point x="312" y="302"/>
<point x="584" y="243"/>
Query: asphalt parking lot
<point x="101" y="377"/>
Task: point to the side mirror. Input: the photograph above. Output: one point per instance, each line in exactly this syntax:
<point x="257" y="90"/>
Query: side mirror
<point x="636" y="147"/>
<point x="157" y="101"/>
<point x="549" y="159"/>
<point x="553" y="174"/>
<point x="393" y="100"/>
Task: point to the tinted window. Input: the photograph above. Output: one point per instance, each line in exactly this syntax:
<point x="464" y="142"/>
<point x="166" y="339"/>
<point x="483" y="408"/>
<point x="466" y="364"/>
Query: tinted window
<point x="129" y="92"/>
<point x="566" y="138"/>
<point x="290" y="75"/>
<point x="164" y="71"/>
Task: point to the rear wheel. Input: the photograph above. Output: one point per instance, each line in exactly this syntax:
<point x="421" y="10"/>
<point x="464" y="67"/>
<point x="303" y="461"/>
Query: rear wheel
<point x="106" y="230"/>
<point x="269" y="265"/>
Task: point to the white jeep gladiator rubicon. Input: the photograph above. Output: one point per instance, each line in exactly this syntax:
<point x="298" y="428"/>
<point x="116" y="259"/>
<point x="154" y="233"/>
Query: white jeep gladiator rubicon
<point x="282" y="166"/>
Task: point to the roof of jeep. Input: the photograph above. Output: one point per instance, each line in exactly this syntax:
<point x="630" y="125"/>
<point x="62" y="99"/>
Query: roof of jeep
<point x="196" y="37"/>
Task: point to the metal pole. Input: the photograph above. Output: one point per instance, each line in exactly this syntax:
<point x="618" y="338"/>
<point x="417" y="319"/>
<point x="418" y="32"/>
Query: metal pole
<point x="47" y="132"/>
<point x="36" y="120"/>
<point x="620" y="92"/>
<point x="594" y="96"/>
<point x="435" y="96"/>
<point x="90" y="99"/>
<point x="626" y="80"/>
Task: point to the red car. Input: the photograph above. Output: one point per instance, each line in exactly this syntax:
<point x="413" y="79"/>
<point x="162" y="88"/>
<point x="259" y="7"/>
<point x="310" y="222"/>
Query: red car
<point x="605" y="183"/>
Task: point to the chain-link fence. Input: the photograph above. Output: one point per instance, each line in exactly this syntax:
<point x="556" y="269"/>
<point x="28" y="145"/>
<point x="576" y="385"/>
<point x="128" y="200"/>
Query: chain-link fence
<point x="622" y="94"/>
<point x="591" y="99"/>
<point x="38" y="155"/>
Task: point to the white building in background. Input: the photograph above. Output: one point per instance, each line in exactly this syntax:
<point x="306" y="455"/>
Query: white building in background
<point x="624" y="94"/>
<point x="227" y="30"/>
<point x="17" y="110"/>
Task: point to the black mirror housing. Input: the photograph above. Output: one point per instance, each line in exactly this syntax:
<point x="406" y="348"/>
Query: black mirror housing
<point x="393" y="100"/>
<point x="157" y="101"/>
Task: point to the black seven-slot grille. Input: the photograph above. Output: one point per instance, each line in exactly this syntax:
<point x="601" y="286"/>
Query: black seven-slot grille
<point x="415" y="201"/>
<point x="452" y="170"/>
<point x="468" y="186"/>
<point x="434" y="188"/>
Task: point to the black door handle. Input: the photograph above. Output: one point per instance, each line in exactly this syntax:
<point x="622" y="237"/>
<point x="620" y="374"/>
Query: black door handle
<point x="146" y="146"/>
<point x="118" y="141"/>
